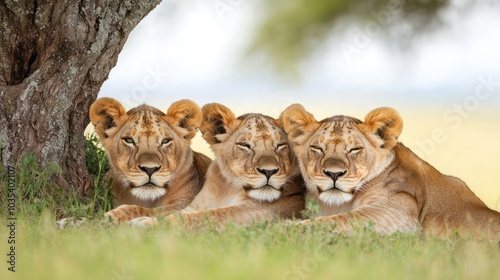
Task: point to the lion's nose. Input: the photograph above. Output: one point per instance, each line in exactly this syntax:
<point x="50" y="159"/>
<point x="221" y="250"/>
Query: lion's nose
<point x="149" y="170"/>
<point x="268" y="172"/>
<point x="334" y="175"/>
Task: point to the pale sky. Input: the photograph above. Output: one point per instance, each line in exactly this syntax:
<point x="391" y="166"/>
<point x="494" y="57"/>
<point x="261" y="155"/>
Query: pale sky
<point x="195" y="52"/>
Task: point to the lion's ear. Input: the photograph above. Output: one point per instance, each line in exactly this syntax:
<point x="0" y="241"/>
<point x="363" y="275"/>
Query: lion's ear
<point x="387" y="124"/>
<point x="297" y="123"/>
<point x="186" y="115"/>
<point x="104" y="114"/>
<point x="217" y="121"/>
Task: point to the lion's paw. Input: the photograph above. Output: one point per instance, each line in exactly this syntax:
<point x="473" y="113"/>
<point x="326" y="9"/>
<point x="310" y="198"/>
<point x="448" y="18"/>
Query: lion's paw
<point x="143" y="222"/>
<point x="305" y="222"/>
<point x="70" y="222"/>
<point x="126" y="213"/>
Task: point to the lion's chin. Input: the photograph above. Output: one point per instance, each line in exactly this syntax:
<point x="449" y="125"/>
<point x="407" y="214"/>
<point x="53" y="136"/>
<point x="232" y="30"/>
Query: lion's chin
<point x="264" y="194"/>
<point x="149" y="192"/>
<point x="335" y="197"/>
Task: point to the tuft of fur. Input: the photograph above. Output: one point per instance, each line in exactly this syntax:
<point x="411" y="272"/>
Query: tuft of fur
<point x="217" y="119"/>
<point x="184" y="114"/>
<point x="105" y="114"/>
<point x="386" y="123"/>
<point x="297" y="122"/>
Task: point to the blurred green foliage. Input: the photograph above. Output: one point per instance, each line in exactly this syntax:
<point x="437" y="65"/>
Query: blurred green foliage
<point x="292" y="29"/>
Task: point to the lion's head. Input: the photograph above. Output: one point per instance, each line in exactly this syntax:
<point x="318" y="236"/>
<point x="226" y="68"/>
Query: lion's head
<point x="146" y="147"/>
<point x="252" y="151"/>
<point x="339" y="154"/>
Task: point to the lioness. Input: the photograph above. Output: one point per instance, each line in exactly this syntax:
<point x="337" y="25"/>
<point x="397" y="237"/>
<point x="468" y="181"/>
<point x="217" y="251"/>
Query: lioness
<point x="360" y="173"/>
<point x="254" y="177"/>
<point x="152" y="163"/>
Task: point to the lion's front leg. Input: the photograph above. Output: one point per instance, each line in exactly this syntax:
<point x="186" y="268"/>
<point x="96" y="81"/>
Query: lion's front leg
<point x="144" y="222"/>
<point x="242" y="215"/>
<point x="126" y="213"/>
<point x="382" y="219"/>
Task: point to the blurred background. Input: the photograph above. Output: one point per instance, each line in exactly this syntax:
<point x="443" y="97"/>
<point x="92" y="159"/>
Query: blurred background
<point x="436" y="61"/>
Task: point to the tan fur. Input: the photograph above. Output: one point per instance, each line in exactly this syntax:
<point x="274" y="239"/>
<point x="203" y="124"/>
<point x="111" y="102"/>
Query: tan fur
<point x="232" y="190"/>
<point x="359" y="174"/>
<point x="159" y="144"/>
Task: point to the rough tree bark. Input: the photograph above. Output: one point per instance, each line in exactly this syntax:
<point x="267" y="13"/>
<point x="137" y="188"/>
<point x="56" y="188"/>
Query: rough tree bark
<point x="54" y="57"/>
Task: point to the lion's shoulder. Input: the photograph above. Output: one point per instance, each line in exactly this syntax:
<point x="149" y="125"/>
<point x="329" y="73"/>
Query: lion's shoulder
<point x="201" y="163"/>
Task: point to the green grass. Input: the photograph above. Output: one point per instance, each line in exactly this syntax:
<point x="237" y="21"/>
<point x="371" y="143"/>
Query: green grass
<point x="262" y="251"/>
<point x="34" y="194"/>
<point x="98" y="166"/>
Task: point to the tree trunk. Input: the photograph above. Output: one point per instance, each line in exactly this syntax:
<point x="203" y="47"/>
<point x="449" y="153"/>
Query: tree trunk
<point x="54" y="57"/>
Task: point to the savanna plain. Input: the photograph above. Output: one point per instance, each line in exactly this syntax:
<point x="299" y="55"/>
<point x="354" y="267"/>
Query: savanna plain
<point x="280" y="250"/>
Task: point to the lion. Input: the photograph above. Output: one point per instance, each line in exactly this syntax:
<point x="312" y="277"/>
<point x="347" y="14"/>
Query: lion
<point x="362" y="176"/>
<point x="153" y="167"/>
<point x="254" y="177"/>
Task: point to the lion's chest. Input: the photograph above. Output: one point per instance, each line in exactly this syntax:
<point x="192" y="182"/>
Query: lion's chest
<point x="328" y="210"/>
